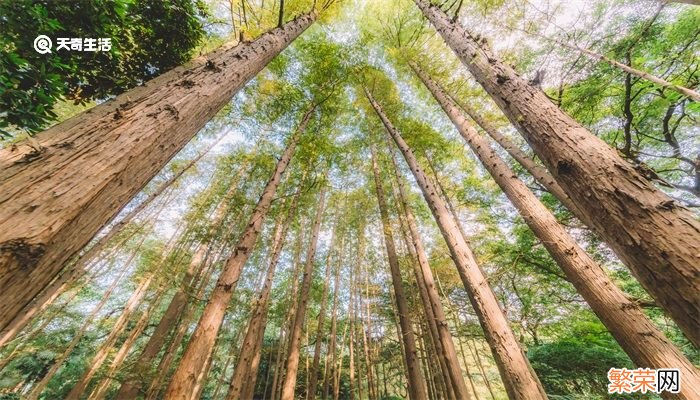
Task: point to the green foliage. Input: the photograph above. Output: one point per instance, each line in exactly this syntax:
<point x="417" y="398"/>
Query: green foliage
<point x="575" y="365"/>
<point x="148" y="38"/>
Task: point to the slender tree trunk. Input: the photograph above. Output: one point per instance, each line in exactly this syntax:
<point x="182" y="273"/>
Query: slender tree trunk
<point x="102" y="387"/>
<point x="416" y="381"/>
<point x="68" y="187"/>
<point x="692" y="94"/>
<point x="286" y="328"/>
<point x="321" y="319"/>
<point x="655" y="237"/>
<point x="519" y="378"/>
<point x="245" y="372"/>
<point x="330" y="376"/>
<point x="637" y="335"/>
<point x="292" y="362"/>
<point x="103" y="352"/>
<point x="41" y="385"/>
<point x="434" y="309"/>
<point x="541" y="175"/>
<point x="203" y="339"/>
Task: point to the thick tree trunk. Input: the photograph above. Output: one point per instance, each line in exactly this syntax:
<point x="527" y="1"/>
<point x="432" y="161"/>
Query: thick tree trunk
<point x="54" y="200"/>
<point x="292" y="362"/>
<point x="245" y="373"/>
<point x="637" y="335"/>
<point x="445" y="346"/>
<point x="519" y="378"/>
<point x="655" y="237"/>
<point x="416" y="382"/>
<point x="201" y="345"/>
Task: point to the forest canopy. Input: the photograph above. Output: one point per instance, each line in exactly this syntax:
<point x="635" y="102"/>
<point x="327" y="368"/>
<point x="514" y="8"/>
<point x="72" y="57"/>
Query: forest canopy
<point x="350" y="199"/>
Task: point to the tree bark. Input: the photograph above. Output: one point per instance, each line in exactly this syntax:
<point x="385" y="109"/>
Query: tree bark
<point x="330" y="376"/>
<point x="655" y="237"/>
<point x="637" y="335"/>
<point x="54" y="200"/>
<point x="292" y="362"/>
<point x="416" y="382"/>
<point x="518" y="377"/>
<point x="201" y="345"/>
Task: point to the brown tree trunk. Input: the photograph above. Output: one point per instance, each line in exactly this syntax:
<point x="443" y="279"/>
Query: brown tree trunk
<point x="102" y="387"/>
<point x="637" y="335"/>
<point x="519" y="378"/>
<point x="330" y="376"/>
<point x="655" y="237"/>
<point x="54" y="200"/>
<point x="245" y="373"/>
<point x="292" y="362"/>
<point x="96" y="362"/>
<point x="203" y="339"/>
<point x="434" y="310"/>
<point x="286" y="328"/>
<point x="416" y="382"/>
<point x="321" y="320"/>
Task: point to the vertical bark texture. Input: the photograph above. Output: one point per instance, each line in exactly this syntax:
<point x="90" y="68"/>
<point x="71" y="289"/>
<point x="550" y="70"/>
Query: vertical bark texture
<point x="639" y="337"/>
<point x="54" y="200"/>
<point x="416" y="382"/>
<point x="292" y="362"/>
<point x="199" y="349"/>
<point x="655" y="237"/>
<point x="518" y="377"/>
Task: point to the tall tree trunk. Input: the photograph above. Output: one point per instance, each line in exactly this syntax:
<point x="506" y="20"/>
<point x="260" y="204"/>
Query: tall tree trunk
<point x="655" y="237"/>
<point x="519" y="378"/>
<point x="203" y="339"/>
<point x="416" y="382"/>
<point x="54" y="200"/>
<point x="245" y="373"/>
<point x="330" y="376"/>
<point x="286" y="328"/>
<point x="434" y="306"/>
<point x="292" y="362"/>
<point x="637" y="335"/>
<point x="321" y="320"/>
